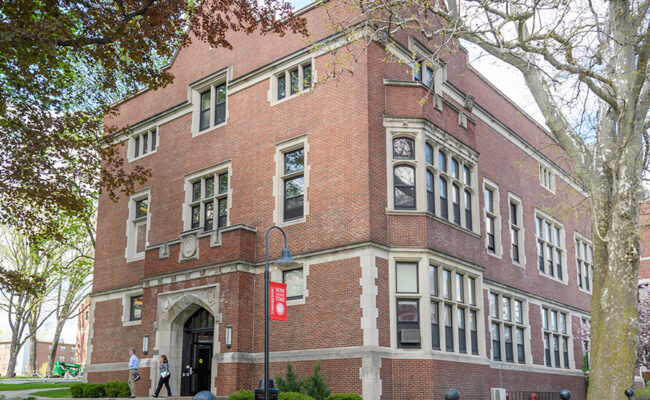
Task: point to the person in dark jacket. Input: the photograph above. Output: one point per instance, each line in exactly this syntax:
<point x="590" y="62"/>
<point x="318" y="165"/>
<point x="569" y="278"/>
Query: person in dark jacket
<point x="164" y="376"/>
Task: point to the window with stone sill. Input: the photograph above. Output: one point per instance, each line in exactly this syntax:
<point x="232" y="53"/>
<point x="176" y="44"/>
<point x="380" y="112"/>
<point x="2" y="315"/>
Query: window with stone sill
<point x="212" y="109"/>
<point x="137" y="225"/>
<point x="293" y="81"/>
<point x="208" y="205"/>
<point x="550" y="247"/>
<point x="295" y="282"/>
<point x="135" y="308"/>
<point x="455" y="313"/>
<point x="556" y="337"/>
<point x="516" y="230"/>
<point x="507" y="328"/>
<point x="584" y="263"/>
<point x="491" y="212"/>
<point x="143" y="144"/>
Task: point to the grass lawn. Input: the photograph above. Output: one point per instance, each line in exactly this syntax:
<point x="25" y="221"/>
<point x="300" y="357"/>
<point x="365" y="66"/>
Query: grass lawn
<point x="27" y="386"/>
<point x="55" y="394"/>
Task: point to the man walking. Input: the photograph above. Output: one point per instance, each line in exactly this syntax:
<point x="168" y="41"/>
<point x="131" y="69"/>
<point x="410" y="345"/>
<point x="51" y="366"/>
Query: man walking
<point x="133" y="371"/>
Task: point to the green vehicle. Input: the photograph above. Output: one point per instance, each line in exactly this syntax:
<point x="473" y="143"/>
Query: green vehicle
<point x="66" y="369"/>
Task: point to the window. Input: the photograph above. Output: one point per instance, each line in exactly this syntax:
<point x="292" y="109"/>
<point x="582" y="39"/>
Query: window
<point x="423" y="72"/>
<point x="6" y="356"/>
<point x="556" y="337"/>
<point x="408" y="320"/>
<point x="584" y="263"/>
<point x="135" y="313"/>
<point x="294" y="184"/>
<point x="207" y="199"/>
<point x="430" y="172"/>
<point x="294" y="81"/>
<point x="49" y="348"/>
<point x="62" y="358"/>
<point x="547" y="178"/>
<point x="492" y="225"/>
<point x="516" y="230"/>
<point x="71" y="359"/>
<point x="295" y="283"/>
<point x="586" y="341"/>
<point x="453" y="309"/>
<point x="550" y="247"/>
<point x="138" y="226"/>
<point x="62" y="349"/>
<point x="507" y="328"/>
<point x="212" y="110"/>
<point x="143" y="143"/>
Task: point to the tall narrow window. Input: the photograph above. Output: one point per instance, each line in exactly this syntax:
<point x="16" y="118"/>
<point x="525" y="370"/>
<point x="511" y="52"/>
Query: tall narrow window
<point x="444" y="207"/>
<point x="404" y="182"/>
<point x="220" y="107"/>
<point x="428" y="154"/>
<point x="435" y="326"/>
<point x="456" y="202"/>
<point x="205" y="110"/>
<point x="521" y="357"/>
<point x="490" y="219"/>
<point x="138" y="226"/>
<point x="408" y="323"/>
<point x="468" y="209"/>
<point x="584" y="263"/>
<point x="460" y="322"/>
<point x="431" y="199"/>
<point x="294" y="81"/>
<point x="496" y="341"/>
<point x="294" y="184"/>
<point x="473" y="331"/>
<point x="442" y="161"/>
<point x="516" y="235"/>
<point x="282" y="87"/>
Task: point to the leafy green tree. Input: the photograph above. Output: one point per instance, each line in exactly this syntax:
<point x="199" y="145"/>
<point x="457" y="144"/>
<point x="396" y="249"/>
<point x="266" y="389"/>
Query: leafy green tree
<point x="291" y="381"/>
<point x="63" y="63"/>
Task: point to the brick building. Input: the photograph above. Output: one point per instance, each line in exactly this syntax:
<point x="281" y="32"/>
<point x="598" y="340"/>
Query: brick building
<point x="83" y="326"/>
<point x="65" y="353"/>
<point x="439" y="245"/>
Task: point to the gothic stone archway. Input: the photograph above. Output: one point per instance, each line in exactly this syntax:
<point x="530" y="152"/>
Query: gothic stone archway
<point x="174" y="309"/>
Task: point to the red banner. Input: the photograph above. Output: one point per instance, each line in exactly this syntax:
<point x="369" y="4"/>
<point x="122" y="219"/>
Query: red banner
<point x="278" y="302"/>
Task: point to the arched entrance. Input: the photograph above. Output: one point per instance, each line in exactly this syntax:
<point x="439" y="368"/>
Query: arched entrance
<point x="198" y="339"/>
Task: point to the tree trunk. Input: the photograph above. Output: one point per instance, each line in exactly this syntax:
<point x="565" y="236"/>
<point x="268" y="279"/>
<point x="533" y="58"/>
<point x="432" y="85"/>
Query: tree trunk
<point x="55" y="345"/>
<point x="33" y="344"/>
<point x="13" y="353"/>
<point x="614" y="317"/>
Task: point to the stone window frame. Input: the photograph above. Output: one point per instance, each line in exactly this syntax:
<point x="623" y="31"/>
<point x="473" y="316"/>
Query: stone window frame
<point x="126" y="306"/>
<point x="566" y="360"/>
<point x="277" y="276"/>
<point x="489" y="185"/>
<point x="546" y="218"/>
<point x="519" y="228"/>
<point x="286" y="73"/>
<point x="502" y="322"/>
<point x="137" y="139"/>
<point x="195" y="91"/>
<point x="429" y="136"/>
<point x="424" y="297"/>
<point x="214" y="171"/>
<point x="584" y="265"/>
<point x="546" y="178"/>
<point x="132" y="224"/>
<point x="585" y="326"/>
<point x="281" y="149"/>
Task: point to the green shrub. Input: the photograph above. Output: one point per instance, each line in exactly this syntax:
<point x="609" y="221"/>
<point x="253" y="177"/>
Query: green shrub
<point x="242" y="395"/>
<point x="294" y="396"/>
<point x="77" y="390"/>
<point x="117" y="389"/>
<point x="94" y="390"/>
<point x="642" y="393"/>
<point x="344" y="396"/>
<point x="291" y="382"/>
<point x="315" y="386"/>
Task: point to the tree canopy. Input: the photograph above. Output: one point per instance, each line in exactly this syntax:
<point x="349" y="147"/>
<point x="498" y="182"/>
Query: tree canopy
<point x="64" y="62"/>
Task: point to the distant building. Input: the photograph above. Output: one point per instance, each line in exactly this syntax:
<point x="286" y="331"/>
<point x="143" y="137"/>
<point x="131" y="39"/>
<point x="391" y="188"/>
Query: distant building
<point x="83" y="323"/>
<point x="65" y="353"/>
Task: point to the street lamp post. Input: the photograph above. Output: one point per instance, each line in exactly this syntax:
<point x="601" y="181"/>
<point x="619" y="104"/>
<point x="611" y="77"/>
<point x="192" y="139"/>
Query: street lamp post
<point x="285" y="260"/>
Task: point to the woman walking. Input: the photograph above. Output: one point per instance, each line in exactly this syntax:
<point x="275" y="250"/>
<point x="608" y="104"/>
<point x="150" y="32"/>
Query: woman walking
<point x="164" y="376"/>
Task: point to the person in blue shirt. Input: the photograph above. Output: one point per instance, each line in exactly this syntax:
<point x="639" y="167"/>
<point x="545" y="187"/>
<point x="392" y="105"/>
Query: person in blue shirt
<point x="133" y="371"/>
